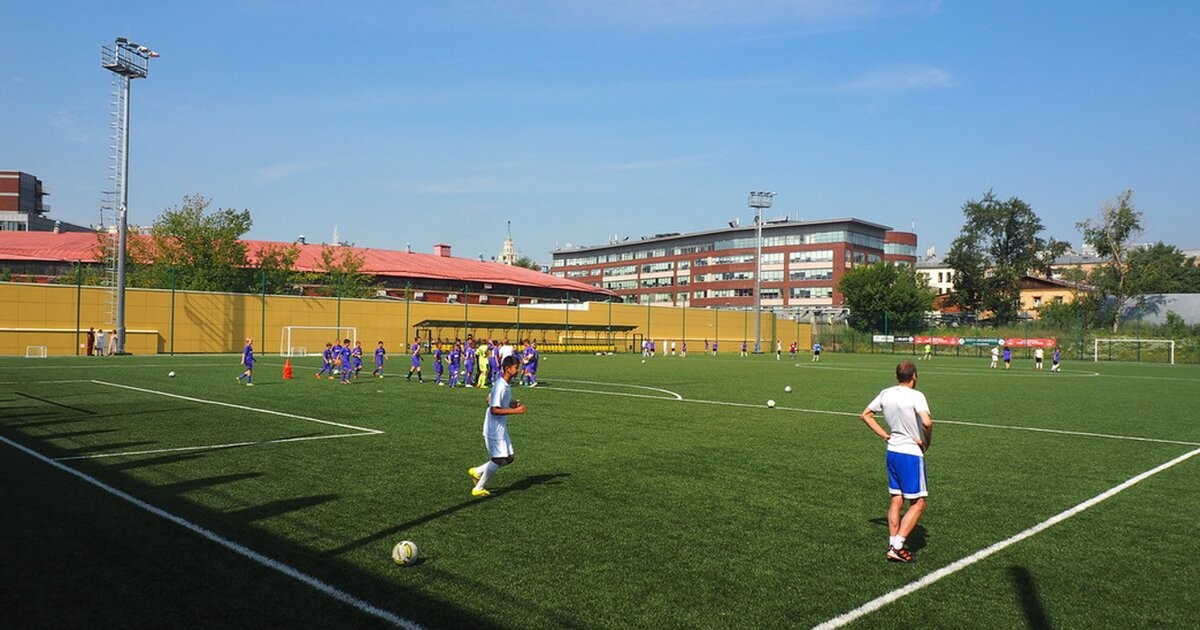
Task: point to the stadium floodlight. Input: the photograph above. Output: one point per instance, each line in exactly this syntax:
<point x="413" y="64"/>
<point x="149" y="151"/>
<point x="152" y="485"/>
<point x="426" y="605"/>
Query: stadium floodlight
<point x="128" y="61"/>
<point x="758" y="200"/>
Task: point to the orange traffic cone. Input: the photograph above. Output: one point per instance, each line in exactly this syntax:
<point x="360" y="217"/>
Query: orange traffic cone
<point x="287" y="368"/>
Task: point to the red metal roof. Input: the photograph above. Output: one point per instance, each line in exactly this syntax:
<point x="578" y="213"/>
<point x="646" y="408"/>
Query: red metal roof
<point x="81" y="246"/>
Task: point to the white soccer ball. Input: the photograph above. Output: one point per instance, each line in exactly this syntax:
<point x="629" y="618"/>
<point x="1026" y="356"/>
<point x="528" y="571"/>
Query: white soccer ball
<point x="170" y="375"/>
<point x="643" y="360"/>
<point x="405" y="552"/>
<point x="771" y="404"/>
<point x="788" y="389"/>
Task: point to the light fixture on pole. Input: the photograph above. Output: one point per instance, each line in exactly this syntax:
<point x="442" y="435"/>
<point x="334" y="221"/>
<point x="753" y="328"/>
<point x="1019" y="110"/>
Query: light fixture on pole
<point x="128" y="61"/>
<point x="758" y="200"/>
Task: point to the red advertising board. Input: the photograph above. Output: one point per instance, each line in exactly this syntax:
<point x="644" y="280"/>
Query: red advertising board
<point x="1018" y="342"/>
<point x="936" y="341"/>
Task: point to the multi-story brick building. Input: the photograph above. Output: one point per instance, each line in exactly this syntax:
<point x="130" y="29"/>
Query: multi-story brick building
<point x="802" y="263"/>
<point x="22" y="205"/>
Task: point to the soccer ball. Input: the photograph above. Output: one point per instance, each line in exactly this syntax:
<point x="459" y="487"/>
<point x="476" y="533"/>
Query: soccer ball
<point x="770" y="404"/>
<point x="405" y="553"/>
<point x="170" y="375"/>
<point x="643" y="360"/>
<point x="788" y="389"/>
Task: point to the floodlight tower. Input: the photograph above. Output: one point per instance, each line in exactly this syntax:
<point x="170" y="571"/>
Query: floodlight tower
<point x="128" y="61"/>
<point x="758" y="200"/>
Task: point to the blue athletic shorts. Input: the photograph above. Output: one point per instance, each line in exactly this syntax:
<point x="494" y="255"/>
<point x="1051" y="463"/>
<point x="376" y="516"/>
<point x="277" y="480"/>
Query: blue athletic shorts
<point x="906" y="475"/>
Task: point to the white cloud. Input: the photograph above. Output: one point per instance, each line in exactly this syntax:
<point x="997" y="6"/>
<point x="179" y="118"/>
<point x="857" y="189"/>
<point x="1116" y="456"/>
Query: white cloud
<point x="282" y="171"/>
<point x="898" y="78"/>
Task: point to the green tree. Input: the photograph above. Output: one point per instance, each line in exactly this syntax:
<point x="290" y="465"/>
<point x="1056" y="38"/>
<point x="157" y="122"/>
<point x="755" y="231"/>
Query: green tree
<point x="883" y="293"/>
<point x="999" y="244"/>
<point x="343" y="274"/>
<point x="528" y="263"/>
<point x="203" y="249"/>
<point x="87" y="275"/>
<point x="1112" y="235"/>
<point x="1162" y="268"/>
<point x="278" y="264"/>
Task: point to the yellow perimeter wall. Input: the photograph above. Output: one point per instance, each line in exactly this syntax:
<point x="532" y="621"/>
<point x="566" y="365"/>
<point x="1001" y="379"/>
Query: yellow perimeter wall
<point x="46" y="315"/>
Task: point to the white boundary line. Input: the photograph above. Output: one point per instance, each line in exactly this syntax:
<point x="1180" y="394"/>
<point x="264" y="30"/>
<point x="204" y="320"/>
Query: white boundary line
<point x="210" y="447"/>
<point x="270" y="563"/>
<point x="654" y="389"/>
<point x="243" y="407"/>
<point x="977" y="372"/>
<point x="80" y="380"/>
<point x="849" y="413"/>
<point x="959" y="565"/>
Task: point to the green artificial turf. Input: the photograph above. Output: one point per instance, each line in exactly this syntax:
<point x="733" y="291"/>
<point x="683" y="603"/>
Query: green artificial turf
<point x="626" y="506"/>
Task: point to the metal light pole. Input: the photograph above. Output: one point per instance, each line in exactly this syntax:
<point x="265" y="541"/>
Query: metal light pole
<point x="129" y="61"/>
<point x="758" y="200"/>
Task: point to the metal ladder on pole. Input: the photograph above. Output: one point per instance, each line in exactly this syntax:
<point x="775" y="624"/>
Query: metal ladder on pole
<point x="111" y="200"/>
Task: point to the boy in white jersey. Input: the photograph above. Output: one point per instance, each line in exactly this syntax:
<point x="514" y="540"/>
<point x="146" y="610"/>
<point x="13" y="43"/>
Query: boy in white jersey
<point x="495" y="426"/>
<point x="907" y="414"/>
<point x="995" y="356"/>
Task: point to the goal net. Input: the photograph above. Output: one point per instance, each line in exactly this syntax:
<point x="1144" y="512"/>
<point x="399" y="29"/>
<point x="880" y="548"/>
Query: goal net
<point x="35" y="352"/>
<point x="1147" y="350"/>
<point x="301" y="341"/>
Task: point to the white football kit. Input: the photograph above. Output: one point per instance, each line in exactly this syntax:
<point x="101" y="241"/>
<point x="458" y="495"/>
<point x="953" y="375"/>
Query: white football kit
<point x="495" y="428"/>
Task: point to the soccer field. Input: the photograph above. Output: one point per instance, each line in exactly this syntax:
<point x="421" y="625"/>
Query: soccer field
<point x="662" y="494"/>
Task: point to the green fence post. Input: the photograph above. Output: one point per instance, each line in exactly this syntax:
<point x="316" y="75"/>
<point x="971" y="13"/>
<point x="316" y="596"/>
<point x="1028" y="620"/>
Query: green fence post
<point x="567" y="314"/>
<point x="610" y="341"/>
<point x="407" y="306"/>
<point x="339" y="306"/>
<point x="519" y="313"/>
<point x="78" y="302"/>
<point x="263" y="328"/>
<point x="173" y="313"/>
<point x="466" y="314"/>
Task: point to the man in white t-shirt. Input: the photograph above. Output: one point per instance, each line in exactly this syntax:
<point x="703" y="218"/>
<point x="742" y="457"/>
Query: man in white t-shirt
<point x="907" y="414"/>
<point x="1038" y="355"/>
<point x="506" y="350"/>
<point x="995" y="356"/>
<point x="495" y="426"/>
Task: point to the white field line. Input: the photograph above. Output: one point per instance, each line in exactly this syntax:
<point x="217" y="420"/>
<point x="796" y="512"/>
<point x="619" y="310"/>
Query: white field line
<point x="241" y="550"/>
<point x="959" y="565"/>
<point x="655" y="389"/>
<point x="211" y="447"/>
<point x="80" y="380"/>
<point x="242" y="407"/>
<point x="850" y="413"/>
<point x="973" y="372"/>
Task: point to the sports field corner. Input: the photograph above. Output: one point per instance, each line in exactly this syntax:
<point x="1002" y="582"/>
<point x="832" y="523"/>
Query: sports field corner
<point x="661" y="494"/>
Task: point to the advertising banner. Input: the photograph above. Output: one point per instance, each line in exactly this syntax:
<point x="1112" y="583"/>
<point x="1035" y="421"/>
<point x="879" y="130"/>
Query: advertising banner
<point x="1018" y="342"/>
<point x="903" y="339"/>
<point x="935" y="341"/>
<point x="980" y="341"/>
<point x="883" y="338"/>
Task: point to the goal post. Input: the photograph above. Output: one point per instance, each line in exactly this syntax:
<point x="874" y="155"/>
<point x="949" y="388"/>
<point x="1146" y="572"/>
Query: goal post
<point x="299" y="341"/>
<point x="35" y="352"/>
<point x="1139" y="350"/>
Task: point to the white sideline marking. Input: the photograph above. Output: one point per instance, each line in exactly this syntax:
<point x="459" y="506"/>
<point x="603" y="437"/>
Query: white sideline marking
<point x="655" y="389"/>
<point x="959" y="565"/>
<point x="243" y="407"/>
<point x="850" y="413"/>
<point x="210" y="447"/>
<point x="82" y="380"/>
<point x="974" y="372"/>
<point x="241" y="550"/>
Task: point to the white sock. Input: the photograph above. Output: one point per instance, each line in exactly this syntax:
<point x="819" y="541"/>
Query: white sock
<point x="897" y="542"/>
<point x="485" y="472"/>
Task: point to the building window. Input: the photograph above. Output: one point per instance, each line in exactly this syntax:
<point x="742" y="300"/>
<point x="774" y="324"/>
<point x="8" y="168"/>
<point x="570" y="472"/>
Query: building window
<point x="816" y="255"/>
<point x="822" y="273"/>
<point x="775" y="258"/>
<point x="624" y="270"/>
<point x="771" y="294"/>
<point x="656" y="267"/>
<point x="810" y="292"/>
<point x="1037" y="301"/>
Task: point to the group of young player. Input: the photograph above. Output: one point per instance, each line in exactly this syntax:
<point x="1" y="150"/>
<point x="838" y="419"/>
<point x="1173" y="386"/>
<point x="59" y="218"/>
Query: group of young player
<point x="473" y="363"/>
<point x="340" y="359"/>
<point x="1039" y="356"/>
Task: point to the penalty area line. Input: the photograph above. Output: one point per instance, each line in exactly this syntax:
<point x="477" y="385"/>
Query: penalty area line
<point x="211" y="447"/>
<point x="266" y="561"/>
<point x="982" y="554"/>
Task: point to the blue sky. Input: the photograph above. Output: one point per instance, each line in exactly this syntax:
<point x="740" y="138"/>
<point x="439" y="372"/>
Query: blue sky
<point x="414" y="122"/>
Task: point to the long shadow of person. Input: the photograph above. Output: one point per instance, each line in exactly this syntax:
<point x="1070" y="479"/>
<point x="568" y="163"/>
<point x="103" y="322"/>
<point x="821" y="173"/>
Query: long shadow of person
<point x="915" y="541"/>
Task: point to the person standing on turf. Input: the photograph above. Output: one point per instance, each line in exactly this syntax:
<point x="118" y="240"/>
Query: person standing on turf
<point x="495" y="426"/>
<point x="1054" y="364"/>
<point x="1038" y="355"/>
<point x="248" y="362"/>
<point x="1007" y="357"/>
<point x="416" y="361"/>
<point x="327" y="358"/>
<point x="469" y="363"/>
<point x="816" y="352"/>
<point x="347" y="362"/>
<point x="995" y="356"/>
<point x="928" y="352"/>
<point x="356" y="357"/>
<point x="907" y="415"/>
<point x="380" y="357"/>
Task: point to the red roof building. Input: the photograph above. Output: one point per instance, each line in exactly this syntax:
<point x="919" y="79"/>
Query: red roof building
<point x="432" y="277"/>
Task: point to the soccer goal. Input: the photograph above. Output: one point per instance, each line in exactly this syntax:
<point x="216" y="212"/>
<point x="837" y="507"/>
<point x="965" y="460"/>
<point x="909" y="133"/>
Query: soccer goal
<point x="1149" y="350"/>
<point x="299" y="341"/>
<point x="35" y="352"/>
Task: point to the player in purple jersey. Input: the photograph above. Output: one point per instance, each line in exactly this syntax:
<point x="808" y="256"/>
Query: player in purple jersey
<point x="248" y="361"/>
<point x="438" y="368"/>
<point x="327" y="357"/>
<point x="380" y="357"/>
<point x="469" y="364"/>
<point x="416" y="361"/>
<point x="356" y="358"/>
<point x="455" y="360"/>
<point x="347" y="362"/>
<point x="531" y="363"/>
<point x="493" y="362"/>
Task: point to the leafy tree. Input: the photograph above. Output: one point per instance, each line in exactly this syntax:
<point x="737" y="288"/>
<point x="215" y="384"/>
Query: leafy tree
<point x="1162" y="268"/>
<point x="87" y="275"/>
<point x="5" y="274"/>
<point x="1112" y="235"/>
<point x="202" y="249"/>
<point x="528" y="263"/>
<point x="343" y="274"/>
<point x="883" y="293"/>
<point x="999" y="244"/>
<point x="277" y="265"/>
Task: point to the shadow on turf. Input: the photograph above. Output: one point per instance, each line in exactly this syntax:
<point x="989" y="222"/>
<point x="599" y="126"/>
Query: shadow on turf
<point x="915" y="540"/>
<point x="523" y="484"/>
<point x="1031" y="601"/>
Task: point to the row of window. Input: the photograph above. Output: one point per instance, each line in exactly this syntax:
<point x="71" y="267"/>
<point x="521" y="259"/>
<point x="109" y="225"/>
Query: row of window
<point x="746" y="242"/>
<point x="770" y="258"/>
